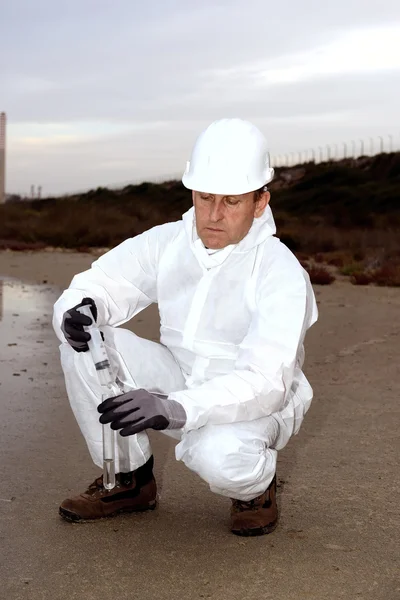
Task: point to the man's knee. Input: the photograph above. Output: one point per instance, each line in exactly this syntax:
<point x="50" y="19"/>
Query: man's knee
<point x="231" y="467"/>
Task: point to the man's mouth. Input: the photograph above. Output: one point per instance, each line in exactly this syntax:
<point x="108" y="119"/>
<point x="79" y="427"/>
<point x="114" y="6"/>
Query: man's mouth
<point x="213" y="229"/>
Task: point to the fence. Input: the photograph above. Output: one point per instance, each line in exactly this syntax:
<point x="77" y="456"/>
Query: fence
<point x="352" y="149"/>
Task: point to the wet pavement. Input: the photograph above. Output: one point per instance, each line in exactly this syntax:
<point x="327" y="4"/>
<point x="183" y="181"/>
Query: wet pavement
<point x="338" y="481"/>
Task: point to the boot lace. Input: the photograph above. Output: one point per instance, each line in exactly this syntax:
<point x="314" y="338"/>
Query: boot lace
<point x="97" y="485"/>
<point x="241" y="505"/>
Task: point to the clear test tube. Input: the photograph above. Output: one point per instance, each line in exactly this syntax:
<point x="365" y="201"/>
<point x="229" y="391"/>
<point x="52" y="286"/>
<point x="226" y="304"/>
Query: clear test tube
<point x="108" y="454"/>
<point x="109" y="436"/>
<point x="109" y="388"/>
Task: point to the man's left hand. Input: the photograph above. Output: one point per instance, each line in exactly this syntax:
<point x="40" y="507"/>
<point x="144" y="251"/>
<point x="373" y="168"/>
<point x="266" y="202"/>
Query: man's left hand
<point x="138" y="410"/>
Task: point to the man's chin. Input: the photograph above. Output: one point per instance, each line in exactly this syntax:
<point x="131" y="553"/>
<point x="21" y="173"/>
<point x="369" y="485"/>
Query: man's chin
<point x="212" y="244"/>
<point x="213" y="240"/>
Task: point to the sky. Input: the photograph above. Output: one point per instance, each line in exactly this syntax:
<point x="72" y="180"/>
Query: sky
<point x="103" y="93"/>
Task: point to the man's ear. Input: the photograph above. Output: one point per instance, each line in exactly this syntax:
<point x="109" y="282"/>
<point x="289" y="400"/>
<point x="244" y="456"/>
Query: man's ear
<point x="261" y="204"/>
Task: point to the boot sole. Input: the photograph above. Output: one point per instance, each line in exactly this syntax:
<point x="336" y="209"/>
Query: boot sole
<point x="74" y="518"/>
<point x="256" y="531"/>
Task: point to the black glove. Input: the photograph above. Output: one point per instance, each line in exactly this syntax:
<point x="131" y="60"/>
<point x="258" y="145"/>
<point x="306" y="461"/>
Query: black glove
<point x="138" y="410"/>
<point x="73" y="323"/>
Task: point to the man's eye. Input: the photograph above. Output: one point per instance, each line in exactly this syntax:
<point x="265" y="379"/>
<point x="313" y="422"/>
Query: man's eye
<point x="205" y="197"/>
<point x="232" y="202"/>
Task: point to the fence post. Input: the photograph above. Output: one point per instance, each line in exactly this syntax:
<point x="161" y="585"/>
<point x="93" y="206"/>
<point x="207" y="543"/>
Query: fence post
<point x="328" y="153"/>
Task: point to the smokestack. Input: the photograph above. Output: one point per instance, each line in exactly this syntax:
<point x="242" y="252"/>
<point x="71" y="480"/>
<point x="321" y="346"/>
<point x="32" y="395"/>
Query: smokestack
<point x="2" y="157"/>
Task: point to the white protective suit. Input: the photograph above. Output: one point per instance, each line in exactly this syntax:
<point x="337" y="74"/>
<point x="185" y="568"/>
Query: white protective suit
<point x="233" y="323"/>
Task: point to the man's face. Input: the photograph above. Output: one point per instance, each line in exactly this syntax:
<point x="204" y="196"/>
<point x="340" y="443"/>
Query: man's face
<point x="224" y="220"/>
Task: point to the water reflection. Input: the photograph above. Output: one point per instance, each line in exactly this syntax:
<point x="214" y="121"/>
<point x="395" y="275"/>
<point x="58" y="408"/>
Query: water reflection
<point x="22" y="300"/>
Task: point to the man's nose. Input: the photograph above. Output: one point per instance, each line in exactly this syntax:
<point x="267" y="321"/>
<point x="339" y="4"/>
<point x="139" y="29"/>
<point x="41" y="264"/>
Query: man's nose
<point x="216" y="212"/>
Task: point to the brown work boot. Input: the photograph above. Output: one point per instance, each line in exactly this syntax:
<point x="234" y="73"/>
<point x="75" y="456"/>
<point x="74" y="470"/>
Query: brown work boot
<point x="134" y="492"/>
<point x="256" y="517"/>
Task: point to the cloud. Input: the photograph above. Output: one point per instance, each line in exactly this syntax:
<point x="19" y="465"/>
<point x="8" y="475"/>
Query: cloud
<point x="96" y="91"/>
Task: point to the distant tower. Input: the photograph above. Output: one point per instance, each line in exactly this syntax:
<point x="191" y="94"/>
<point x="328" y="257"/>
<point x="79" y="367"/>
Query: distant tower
<point x="2" y="157"/>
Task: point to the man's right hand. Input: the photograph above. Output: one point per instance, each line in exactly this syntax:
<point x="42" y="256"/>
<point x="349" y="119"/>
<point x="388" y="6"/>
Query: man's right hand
<point x="73" y="324"/>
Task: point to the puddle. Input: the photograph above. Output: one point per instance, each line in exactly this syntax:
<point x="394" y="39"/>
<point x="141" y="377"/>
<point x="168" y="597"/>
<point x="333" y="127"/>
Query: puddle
<point x="24" y="301"/>
<point x="29" y="372"/>
<point x="25" y="321"/>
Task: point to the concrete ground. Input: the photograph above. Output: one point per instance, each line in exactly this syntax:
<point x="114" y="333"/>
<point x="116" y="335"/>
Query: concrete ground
<point x="339" y="530"/>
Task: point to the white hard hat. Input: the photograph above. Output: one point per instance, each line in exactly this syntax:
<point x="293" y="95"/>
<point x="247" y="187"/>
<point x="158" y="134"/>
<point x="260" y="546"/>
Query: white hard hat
<point x="230" y="157"/>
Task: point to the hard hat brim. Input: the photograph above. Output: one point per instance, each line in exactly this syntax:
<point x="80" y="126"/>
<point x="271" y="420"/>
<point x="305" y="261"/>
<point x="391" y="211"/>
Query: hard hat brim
<point x="230" y="187"/>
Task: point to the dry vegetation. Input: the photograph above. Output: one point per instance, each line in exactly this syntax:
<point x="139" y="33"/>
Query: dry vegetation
<point x="319" y="274"/>
<point x="341" y="218"/>
<point x="386" y="274"/>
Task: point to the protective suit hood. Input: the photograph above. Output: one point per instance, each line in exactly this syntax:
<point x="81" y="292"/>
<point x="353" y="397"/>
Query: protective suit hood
<point x="262" y="228"/>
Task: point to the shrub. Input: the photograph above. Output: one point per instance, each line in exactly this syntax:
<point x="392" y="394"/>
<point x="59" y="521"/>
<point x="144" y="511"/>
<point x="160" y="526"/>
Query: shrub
<point x="20" y="246"/>
<point x="338" y="258"/>
<point x="319" y="274"/>
<point x="387" y="275"/>
<point x="361" y="278"/>
<point x="336" y="261"/>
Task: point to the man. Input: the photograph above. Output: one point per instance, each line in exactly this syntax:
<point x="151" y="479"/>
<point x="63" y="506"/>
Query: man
<point x="226" y="380"/>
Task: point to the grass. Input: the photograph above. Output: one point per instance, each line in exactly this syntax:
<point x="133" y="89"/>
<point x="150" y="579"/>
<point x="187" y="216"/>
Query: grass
<point x="351" y="269"/>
